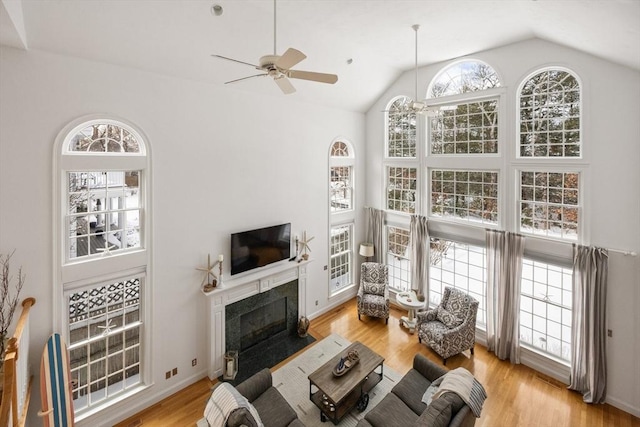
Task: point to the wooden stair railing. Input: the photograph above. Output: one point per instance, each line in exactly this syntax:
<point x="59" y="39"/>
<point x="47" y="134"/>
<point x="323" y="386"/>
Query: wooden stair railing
<point x="16" y="391"/>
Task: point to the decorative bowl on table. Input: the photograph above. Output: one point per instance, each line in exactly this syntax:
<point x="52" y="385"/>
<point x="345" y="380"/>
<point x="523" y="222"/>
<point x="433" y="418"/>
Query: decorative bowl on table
<point x="346" y="363"/>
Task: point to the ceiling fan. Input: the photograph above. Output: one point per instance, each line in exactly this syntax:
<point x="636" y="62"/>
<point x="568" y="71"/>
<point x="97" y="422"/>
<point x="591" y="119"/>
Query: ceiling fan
<point x="421" y="107"/>
<point x="279" y="67"/>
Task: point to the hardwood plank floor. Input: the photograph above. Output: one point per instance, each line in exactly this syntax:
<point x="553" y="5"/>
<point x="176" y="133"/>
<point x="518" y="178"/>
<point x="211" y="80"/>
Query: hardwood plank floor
<point x="518" y="395"/>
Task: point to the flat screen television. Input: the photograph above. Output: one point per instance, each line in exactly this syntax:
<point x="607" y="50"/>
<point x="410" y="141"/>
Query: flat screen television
<point x="257" y="248"/>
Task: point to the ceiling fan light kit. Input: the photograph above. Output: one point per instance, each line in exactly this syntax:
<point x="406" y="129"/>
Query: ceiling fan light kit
<point x="279" y="67"/>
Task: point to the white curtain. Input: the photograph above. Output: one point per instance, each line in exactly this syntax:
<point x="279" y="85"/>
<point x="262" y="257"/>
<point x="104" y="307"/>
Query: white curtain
<point x="419" y="240"/>
<point x="504" y="270"/>
<point x="375" y="232"/>
<point x="588" y="337"/>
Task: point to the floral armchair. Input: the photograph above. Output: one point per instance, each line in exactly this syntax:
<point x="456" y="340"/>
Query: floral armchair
<point x="373" y="295"/>
<point x="450" y="328"/>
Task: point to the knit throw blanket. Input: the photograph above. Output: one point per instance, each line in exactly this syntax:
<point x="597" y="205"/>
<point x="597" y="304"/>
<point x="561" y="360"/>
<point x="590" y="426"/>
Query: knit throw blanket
<point x="464" y="384"/>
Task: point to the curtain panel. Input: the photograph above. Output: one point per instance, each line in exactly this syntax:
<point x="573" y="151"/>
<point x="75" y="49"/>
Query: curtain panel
<point x="375" y="232"/>
<point x="588" y="336"/>
<point x="504" y="271"/>
<point x="419" y="240"/>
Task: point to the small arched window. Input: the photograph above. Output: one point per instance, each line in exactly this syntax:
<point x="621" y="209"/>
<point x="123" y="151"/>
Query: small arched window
<point x="341" y="177"/>
<point x="401" y="129"/>
<point x="550" y="115"/>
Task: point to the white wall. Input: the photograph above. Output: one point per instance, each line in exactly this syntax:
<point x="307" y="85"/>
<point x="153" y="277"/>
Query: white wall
<point x="223" y="161"/>
<point x="611" y="131"/>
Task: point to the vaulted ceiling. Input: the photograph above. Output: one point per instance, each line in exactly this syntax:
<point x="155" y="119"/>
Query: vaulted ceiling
<point x="367" y="43"/>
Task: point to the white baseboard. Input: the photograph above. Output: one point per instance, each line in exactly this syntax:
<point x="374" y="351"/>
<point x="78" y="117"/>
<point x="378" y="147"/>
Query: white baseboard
<point x="626" y="407"/>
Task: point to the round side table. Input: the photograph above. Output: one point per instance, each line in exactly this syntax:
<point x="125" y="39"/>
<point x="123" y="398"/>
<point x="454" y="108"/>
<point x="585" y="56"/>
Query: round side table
<point x="409" y="301"/>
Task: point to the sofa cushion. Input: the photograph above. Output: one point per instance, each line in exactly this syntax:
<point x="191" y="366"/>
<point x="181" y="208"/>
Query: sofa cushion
<point x="410" y="390"/>
<point x="373" y="288"/>
<point x="273" y="409"/>
<point x="438" y="414"/>
<point x="391" y="412"/>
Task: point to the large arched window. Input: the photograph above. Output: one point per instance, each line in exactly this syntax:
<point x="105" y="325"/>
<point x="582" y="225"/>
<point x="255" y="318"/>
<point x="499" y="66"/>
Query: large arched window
<point x="101" y="244"/>
<point x="341" y="215"/>
<point x="550" y="115"/>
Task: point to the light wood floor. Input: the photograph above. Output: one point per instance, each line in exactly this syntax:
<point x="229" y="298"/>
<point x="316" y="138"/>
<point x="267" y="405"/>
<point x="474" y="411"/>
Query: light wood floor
<point x="518" y="396"/>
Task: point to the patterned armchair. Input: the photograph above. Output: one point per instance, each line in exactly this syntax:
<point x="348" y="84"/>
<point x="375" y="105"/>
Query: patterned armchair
<point x="450" y="328"/>
<point x="373" y="295"/>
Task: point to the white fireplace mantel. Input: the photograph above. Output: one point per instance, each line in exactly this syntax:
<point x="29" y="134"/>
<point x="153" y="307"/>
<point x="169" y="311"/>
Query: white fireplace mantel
<point x="237" y="289"/>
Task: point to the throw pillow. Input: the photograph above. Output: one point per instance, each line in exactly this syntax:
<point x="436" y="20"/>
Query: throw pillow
<point x="449" y="319"/>
<point x="437" y="414"/>
<point x="457" y="304"/>
<point x="373" y="288"/>
<point x="242" y="417"/>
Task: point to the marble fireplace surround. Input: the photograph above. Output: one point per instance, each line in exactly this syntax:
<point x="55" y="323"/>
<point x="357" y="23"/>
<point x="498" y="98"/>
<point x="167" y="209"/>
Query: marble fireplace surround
<point x="238" y="289"/>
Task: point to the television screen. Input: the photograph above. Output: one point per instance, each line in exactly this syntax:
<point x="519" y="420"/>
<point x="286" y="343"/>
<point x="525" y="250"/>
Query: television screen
<point x="257" y="248"/>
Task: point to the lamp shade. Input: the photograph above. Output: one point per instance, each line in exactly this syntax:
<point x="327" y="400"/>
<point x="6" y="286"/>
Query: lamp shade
<point x="366" y="249"/>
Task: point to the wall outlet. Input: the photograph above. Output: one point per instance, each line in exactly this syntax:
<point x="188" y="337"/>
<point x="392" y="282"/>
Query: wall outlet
<point x="194" y="362"/>
<point x="325" y="268"/>
<point x="610" y="333"/>
<point x="175" y="371"/>
<point x="167" y="375"/>
<point x="316" y="302"/>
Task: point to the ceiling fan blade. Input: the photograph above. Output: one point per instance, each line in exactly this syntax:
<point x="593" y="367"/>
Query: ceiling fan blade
<point x="245" y="78"/>
<point x="284" y="84"/>
<point x="315" y="77"/>
<point x="290" y="58"/>
<point x="234" y="60"/>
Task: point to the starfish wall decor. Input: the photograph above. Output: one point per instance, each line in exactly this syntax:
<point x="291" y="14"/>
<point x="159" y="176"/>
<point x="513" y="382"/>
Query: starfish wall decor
<point x="304" y="244"/>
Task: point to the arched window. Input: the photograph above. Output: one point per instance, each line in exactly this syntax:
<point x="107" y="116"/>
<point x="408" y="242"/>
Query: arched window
<point x="401" y="129"/>
<point x="101" y="193"/>
<point x="463" y="77"/>
<point x="341" y="215"/>
<point x="550" y="115"/>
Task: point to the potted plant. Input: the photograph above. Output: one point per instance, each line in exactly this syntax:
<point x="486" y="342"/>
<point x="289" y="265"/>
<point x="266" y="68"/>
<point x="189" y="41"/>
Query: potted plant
<point x="8" y="298"/>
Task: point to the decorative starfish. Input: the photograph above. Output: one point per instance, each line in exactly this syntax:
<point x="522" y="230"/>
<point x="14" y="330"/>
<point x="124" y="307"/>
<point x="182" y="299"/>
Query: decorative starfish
<point x="304" y="242"/>
<point x="208" y="269"/>
<point x="106" y="250"/>
<point x="107" y="328"/>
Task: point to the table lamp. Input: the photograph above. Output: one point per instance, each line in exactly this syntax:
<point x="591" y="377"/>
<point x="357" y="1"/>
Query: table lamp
<point x="366" y="250"/>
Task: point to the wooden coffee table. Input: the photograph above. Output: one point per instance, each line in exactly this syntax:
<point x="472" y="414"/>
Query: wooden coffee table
<point x="337" y="396"/>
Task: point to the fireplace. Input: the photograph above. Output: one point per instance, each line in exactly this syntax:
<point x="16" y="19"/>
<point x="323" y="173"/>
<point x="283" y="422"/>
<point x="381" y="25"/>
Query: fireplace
<point x="243" y="294"/>
<point x="262" y="323"/>
<point x="263" y="328"/>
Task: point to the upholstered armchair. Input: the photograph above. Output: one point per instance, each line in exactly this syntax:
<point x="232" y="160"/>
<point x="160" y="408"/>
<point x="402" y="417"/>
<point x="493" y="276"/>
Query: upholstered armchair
<point x="373" y="295"/>
<point x="450" y="328"/>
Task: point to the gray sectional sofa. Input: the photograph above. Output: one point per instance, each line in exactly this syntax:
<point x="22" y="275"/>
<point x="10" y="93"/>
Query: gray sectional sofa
<point x="403" y="407"/>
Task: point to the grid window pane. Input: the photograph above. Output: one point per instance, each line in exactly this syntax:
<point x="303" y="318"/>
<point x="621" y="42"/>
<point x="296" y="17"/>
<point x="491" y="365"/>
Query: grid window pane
<point x="549" y="204"/>
<point x="341" y="254"/>
<point x="401" y="189"/>
<point x="545" y="323"/>
<point x="339" y="149"/>
<point x="401" y="129"/>
<point x="341" y="188"/>
<point x="470" y="128"/>
<point x="104" y="340"/>
<point x="398" y="259"/>
<point x="460" y="266"/>
<point x="470" y="196"/>
<point x="550" y="115"/>
<point x="103" y="212"/>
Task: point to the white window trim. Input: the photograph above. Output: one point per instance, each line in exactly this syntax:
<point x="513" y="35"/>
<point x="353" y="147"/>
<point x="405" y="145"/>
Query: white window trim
<point x="82" y="272"/>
